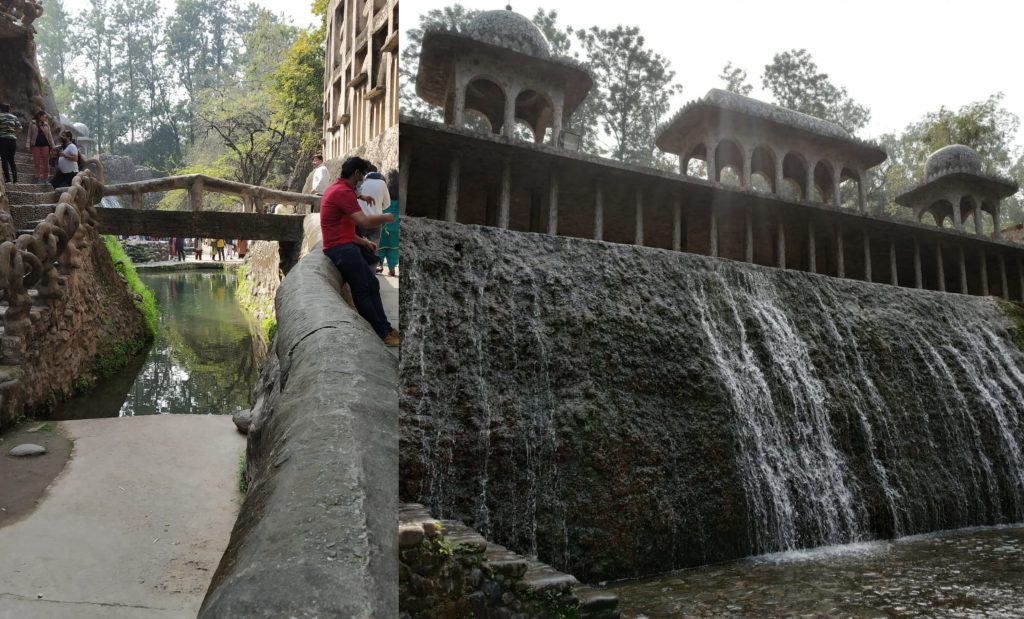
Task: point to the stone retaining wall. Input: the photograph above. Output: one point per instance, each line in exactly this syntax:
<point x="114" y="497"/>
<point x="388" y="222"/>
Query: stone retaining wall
<point x="447" y="570"/>
<point x="147" y="251"/>
<point x="316" y="534"/>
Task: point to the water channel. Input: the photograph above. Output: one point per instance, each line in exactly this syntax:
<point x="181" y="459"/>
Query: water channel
<point x="976" y="572"/>
<point x="201" y="363"/>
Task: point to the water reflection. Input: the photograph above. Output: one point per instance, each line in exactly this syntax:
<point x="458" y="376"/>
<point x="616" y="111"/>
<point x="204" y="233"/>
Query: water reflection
<point x="968" y="573"/>
<point x="201" y="363"/>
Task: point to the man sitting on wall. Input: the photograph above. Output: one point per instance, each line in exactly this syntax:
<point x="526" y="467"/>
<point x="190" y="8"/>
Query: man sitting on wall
<point x="339" y="216"/>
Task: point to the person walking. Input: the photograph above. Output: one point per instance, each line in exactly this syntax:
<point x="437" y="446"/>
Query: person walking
<point x="10" y="126"/>
<point x="199" y="249"/>
<point x="388" y="249"/>
<point x="179" y="248"/>
<point x="339" y="215"/>
<point x="220" y="249"/>
<point x="40" y="143"/>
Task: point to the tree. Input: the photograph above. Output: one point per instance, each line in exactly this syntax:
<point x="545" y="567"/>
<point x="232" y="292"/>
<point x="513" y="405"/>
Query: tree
<point x="53" y="29"/>
<point x="735" y="79"/>
<point x="794" y="80"/>
<point x="634" y="88"/>
<point x="454" y="17"/>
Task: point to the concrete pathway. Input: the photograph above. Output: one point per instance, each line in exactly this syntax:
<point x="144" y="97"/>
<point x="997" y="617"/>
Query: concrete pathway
<point x="389" y="298"/>
<point x="134" y="526"/>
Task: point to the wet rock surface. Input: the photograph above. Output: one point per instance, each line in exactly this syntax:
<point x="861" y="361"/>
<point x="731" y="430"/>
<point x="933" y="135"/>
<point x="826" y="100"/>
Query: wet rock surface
<point x="621" y="410"/>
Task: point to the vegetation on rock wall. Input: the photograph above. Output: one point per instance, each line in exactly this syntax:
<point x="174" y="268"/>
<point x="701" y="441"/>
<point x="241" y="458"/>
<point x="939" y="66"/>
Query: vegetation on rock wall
<point x="143" y="296"/>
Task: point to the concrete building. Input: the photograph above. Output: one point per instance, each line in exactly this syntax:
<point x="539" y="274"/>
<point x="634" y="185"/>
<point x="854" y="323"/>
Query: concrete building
<point x="361" y="78"/>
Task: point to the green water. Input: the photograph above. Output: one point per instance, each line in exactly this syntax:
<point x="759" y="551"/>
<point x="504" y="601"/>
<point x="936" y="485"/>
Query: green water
<point x="201" y="363"/>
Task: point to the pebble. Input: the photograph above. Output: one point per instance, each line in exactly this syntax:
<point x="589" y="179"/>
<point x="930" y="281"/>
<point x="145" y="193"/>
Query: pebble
<point x="28" y="449"/>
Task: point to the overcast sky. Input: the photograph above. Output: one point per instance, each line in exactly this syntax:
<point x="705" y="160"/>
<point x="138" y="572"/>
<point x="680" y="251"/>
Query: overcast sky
<point x="901" y="59"/>
<point x="297" y="10"/>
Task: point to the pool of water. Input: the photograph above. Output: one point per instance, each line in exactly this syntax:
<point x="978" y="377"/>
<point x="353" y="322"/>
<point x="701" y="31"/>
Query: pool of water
<point x="201" y="362"/>
<point x="966" y="573"/>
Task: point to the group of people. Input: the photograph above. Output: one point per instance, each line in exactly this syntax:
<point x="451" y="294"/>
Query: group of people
<point x="377" y="195"/>
<point x="351" y="214"/>
<point x="218" y="248"/>
<point x="39" y="141"/>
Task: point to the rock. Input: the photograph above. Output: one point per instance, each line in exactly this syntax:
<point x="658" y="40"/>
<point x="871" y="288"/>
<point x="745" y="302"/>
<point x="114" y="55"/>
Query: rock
<point x="28" y="449"/>
<point x="242" y="419"/>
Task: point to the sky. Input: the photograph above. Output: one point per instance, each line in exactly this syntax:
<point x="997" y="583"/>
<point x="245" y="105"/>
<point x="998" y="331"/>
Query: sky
<point x="297" y="10"/>
<point x="902" y="59"/>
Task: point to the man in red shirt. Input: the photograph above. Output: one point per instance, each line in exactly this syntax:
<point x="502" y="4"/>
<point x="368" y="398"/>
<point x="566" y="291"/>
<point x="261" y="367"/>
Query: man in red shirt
<point x="339" y="216"/>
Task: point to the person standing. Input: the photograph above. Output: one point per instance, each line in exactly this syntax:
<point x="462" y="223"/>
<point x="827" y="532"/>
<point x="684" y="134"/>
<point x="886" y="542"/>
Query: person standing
<point x="340" y="213"/>
<point x="179" y="248"/>
<point x="10" y="126"/>
<point x="388" y="248"/>
<point x="220" y="249"/>
<point x="40" y="143"/>
<point x="321" y="177"/>
<point x="67" y="163"/>
<point x="199" y="249"/>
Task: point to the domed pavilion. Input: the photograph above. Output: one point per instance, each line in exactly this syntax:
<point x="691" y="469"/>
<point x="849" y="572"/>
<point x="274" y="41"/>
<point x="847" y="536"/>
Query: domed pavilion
<point x="955" y="187"/>
<point x="501" y="67"/>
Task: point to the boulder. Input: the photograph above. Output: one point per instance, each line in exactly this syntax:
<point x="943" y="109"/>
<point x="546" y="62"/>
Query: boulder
<point x="28" y="449"/>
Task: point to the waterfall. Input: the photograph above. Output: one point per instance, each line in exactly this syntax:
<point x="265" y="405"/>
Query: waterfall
<point x="618" y="410"/>
<point x="111" y="202"/>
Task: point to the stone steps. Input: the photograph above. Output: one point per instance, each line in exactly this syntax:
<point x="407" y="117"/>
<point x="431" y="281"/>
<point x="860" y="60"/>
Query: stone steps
<point x="27" y="216"/>
<point x="31" y="197"/>
<point x="30" y="187"/>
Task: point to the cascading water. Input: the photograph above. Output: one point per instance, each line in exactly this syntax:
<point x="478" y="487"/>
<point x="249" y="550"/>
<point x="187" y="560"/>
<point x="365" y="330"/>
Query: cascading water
<point x="620" y="410"/>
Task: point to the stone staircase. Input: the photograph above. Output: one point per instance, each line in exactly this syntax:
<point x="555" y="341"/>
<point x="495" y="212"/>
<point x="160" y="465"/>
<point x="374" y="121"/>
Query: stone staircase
<point x="30" y="203"/>
<point x="510" y="571"/>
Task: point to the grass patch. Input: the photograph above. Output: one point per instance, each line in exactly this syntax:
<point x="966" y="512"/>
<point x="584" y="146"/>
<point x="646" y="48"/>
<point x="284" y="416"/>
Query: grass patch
<point x="243" y="483"/>
<point x="269" y="328"/>
<point x="123" y="265"/>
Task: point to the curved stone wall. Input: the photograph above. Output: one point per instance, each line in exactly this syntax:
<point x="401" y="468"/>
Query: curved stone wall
<point x="316" y="535"/>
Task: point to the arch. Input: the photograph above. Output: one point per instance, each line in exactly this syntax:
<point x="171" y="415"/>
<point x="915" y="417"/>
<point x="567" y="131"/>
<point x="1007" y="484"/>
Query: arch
<point x="486" y="97"/>
<point x="476" y="121"/>
<point x="695" y="163"/>
<point x="535" y="109"/>
<point x="940" y="210"/>
<point x="794" y="176"/>
<point x="969" y="211"/>
<point x="523" y="131"/>
<point x="849" y="188"/>
<point x="762" y="170"/>
<point x="729" y="155"/>
<point x="823" y="182"/>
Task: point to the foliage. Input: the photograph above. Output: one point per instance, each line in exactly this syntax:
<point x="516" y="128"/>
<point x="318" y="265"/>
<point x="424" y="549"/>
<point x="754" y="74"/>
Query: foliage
<point x="735" y="79"/>
<point x="243" y="481"/>
<point x="268" y="328"/>
<point x="454" y="17"/>
<point x="634" y="86"/>
<point x="143" y="296"/>
<point x="793" y="78"/>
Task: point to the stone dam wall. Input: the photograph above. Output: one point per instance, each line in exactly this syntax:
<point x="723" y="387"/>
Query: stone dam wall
<point x="316" y="536"/>
<point x="616" y="410"/>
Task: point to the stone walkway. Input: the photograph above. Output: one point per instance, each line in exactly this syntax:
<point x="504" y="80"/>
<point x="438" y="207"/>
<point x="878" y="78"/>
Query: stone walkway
<point x="134" y="526"/>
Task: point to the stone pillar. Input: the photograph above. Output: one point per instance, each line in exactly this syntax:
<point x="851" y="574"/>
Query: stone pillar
<point x="957" y="221"/>
<point x="840" y="255"/>
<point x="867" y="257"/>
<point x="710" y="161"/>
<point x="748" y="237"/>
<point x="918" y="276"/>
<point x="405" y="165"/>
<point x="509" y="125"/>
<point x="598" y="213"/>
<point x="1002" y="277"/>
<point x="894" y="278"/>
<point x="780" y="241"/>
<point x="984" y="273"/>
<point x="556" y="125"/>
<point x="459" y="110"/>
<point x="451" y="206"/>
<point x="677" y="225"/>
<point x="963" y="268"/>
<point x="505" y="196"/>
<point x="553" y="204"/>
<point x="978" y="215"/>
<point x="837" y="180"/>
<point x="745" y="173"/>
<point x="996" y="233"/>
<point x="940" y="269"/>
<point x="812" y="251"/>
<point x="639" y="226"/>
<point x="713" y="218"/>
<point x="809" y="184"/>
<point x="779" y="180"/>
<point x="862" y="201"/>
<point x="195" y="195"/>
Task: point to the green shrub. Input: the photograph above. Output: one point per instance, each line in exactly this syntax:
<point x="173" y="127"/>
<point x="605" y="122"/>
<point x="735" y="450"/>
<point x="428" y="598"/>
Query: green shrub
<point x="123" y="265"/>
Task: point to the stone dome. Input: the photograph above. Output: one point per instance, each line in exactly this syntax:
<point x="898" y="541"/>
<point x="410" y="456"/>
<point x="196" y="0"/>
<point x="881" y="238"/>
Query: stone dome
<point x="509" y="29"/>
<point x="950" y="159"/>
<point x="81" y="128"/>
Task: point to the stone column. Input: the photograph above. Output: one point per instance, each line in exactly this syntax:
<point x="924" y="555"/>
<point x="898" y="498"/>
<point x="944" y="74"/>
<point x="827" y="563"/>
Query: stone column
<point x="837" y="180"/>
<point x="451" y="206"/>
<point x="984" y="273"/>
<point x="713" y="226"/>
<point x="598" y="213"/>
<point x="677" y="225"/>
<point x="1002" y="277"/>
<point x="195" y="195"/>
<point x="509" y="126"/>
<point x="978" y="216"/>
<point x="505" y="196"/>
<point x="867" y="256"/>
<point x="780" y="241"/>
<point x="639" y="229"/>
<point x="779" y="180"/>
<point x="963" y="268"/>
<point x="918" y="276"/>
<point x="996" y="233"/>
<point x="556" y="124"/>
<point x="405" y="165"/>
<point x="809" y="184"/>
<point x="940" y="269"/>
<point x="553" y="203"/>
<point x="459" y="110"/>
<point x="748" y="237"/>
<point x="894" y="278"/>
<point x="862" y="202"/>
<point x="745" y="173"/>
<point x="957" y="221"/>
<point x="840" y="255"/>
<point x="710" y="162"/>
<point x="812" y="251"/>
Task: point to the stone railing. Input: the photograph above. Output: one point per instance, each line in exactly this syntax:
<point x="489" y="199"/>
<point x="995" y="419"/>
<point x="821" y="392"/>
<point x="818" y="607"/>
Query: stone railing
<point x="34" y="266"/>
<point x="254" y="198"/>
